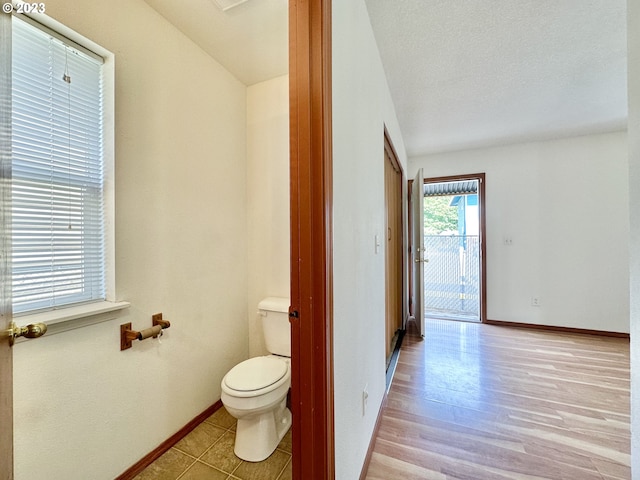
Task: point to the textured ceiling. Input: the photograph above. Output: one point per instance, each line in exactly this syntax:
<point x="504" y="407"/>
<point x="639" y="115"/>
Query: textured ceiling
<point x="250" y="40"/>
<point x="473" y="73"/>
<point x="462" y="73"/>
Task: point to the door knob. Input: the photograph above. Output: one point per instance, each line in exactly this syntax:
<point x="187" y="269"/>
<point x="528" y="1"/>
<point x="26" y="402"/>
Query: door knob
<point x="33" y="330"/>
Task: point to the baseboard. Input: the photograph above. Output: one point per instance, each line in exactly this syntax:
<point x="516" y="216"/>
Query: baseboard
<point x="583" y="331"/>
<point x="372" y="442"/>
<point x="157" y="452"/>
<point x="391" y="368"/>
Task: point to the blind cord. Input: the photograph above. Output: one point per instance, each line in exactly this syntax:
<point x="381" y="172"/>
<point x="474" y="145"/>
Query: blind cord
<point x="67" y="78"/>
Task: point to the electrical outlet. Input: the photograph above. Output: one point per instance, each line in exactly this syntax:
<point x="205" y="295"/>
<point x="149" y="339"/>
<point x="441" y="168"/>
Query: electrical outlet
<point x="365" y="398"/>
<point x="535" y="301"/>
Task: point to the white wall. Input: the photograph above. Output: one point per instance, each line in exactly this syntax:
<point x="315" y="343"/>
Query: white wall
<point x="633" y="32"/>
<point x="85" y="408"/>
<point x="564" y="203"/>
<point x="361" y="107"/>
<point x="267" y="199"/>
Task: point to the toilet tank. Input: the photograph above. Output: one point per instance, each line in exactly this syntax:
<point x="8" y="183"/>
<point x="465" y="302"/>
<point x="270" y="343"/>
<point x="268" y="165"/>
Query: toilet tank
<point x="275" y="325"/>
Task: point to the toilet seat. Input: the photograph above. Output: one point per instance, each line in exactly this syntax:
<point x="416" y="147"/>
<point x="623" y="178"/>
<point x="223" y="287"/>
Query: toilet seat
<point x="256" y="376"/>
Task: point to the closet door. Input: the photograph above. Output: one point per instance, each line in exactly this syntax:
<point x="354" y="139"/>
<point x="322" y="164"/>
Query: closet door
<point x="393" y="247"/>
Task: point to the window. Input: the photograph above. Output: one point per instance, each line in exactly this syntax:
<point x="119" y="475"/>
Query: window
<point x="58" y="182"/>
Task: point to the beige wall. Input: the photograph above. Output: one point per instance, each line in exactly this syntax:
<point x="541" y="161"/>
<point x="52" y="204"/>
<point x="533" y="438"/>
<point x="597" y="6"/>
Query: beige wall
<point x="362" y="106"/>
<point x="87" y="409"/>
<point x="564" y="204"/>
<point x="267" y="199"/>
<point x="633" y="29"/>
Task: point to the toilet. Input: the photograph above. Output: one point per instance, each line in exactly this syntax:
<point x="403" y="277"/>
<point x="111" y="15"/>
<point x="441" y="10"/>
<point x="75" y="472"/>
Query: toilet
<point x="255" y="391"/>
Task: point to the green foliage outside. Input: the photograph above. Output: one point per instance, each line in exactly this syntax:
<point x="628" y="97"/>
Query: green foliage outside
<point x="439" y="216"/>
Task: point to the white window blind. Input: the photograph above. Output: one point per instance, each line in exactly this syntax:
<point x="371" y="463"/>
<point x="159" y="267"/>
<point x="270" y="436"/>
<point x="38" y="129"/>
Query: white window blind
<point x="57" y="172"/>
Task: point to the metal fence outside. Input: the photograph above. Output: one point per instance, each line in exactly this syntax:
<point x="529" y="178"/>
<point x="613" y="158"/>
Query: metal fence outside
<point x="452" y="276"/>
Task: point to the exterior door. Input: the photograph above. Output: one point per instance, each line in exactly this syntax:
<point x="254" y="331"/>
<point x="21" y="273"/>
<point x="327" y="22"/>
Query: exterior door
<point x="417" y="251"/>
<point x="455" y="280"/>
<point x="6" y="359"/>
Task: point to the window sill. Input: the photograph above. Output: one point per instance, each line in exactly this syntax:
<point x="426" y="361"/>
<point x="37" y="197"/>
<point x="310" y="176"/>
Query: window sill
<point x="70" y="318"/>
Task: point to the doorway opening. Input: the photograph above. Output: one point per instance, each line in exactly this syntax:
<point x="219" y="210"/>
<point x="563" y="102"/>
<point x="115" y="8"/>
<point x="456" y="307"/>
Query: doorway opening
<point x="453" y="209"/>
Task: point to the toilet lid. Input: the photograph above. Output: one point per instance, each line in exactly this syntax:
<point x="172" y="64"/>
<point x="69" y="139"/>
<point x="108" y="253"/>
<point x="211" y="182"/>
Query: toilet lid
<point x="255" y="374"/>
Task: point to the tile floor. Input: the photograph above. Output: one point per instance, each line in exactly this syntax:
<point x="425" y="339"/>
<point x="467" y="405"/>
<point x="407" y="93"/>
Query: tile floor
<point x="207" y="454"/>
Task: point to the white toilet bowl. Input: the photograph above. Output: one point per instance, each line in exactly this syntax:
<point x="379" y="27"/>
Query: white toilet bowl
<point x="255" y="392"/>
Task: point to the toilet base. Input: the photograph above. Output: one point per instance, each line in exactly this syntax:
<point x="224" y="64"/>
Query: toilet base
<point x="257" y="436"/>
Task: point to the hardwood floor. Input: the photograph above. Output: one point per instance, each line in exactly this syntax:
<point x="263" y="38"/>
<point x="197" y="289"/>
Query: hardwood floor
<point x="484" y="402"/>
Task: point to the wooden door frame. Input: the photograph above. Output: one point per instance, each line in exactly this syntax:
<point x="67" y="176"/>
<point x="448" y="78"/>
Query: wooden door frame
<point x="390" y="149"/>
<point x="311" y="180"/>
<point x="480" y="177"/>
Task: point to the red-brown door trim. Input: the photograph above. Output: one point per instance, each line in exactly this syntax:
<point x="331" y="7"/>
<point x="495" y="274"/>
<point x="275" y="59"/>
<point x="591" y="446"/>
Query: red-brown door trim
<point x="311" y="239"/>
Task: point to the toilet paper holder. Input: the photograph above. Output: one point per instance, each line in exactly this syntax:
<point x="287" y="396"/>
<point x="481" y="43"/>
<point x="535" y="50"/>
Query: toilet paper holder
<point x="127" y="335"/>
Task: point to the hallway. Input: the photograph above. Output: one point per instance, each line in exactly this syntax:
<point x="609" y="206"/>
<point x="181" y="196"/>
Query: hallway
<point x="482" y="402"/>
